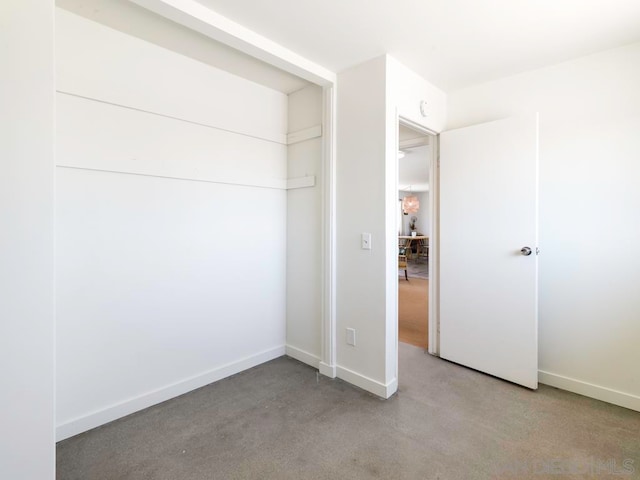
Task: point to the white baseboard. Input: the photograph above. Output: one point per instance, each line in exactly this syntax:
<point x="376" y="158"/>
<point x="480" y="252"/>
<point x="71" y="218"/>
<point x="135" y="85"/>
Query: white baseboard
<point x="113" y="412"/>
<point x="366" y="383"/>
<point x="304" y="357"/>
<point x="327" y="370"/>
<point x="312" y="360"/>
<point x="590" y="390"/>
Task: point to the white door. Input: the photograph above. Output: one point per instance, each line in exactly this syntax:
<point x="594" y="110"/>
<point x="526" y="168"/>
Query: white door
<point x="488" y="220"/>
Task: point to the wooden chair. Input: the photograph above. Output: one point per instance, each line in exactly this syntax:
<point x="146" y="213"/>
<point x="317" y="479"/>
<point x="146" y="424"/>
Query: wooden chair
<point x="402" y="262"/>
<point x="423" y="248"/>
<point x="405" y="245"/>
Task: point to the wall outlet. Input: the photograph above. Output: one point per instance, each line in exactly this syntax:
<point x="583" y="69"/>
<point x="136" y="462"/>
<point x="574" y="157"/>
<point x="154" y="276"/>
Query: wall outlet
<point x="351" y="336"/>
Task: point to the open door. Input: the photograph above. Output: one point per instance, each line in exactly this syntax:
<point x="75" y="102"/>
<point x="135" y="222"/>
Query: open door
<point x="488" y="248"/>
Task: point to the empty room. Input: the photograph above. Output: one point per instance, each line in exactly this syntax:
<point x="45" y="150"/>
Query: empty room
<point x="305" y="240"/>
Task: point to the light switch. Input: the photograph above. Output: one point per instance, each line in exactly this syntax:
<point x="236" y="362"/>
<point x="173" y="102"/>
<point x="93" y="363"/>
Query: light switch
<point x="366" y="241"/>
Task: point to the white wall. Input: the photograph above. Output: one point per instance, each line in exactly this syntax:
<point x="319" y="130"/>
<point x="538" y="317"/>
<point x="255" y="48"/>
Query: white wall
<point x="405" y="92"/>
<point x="27" y="449"/>
<point x="589" y="202"/>
<point x="414" y="170"/>
<point x="370" y="98"/>
<point x="304" y="230"/>
<point x="134" y="20"/>
<point x="160" y="288"/>
<point x="423" y="224"/>
<point x="360" y="200"/>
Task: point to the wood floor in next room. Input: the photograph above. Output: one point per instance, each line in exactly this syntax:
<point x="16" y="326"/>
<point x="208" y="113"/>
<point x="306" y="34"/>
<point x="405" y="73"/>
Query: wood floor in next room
<point x="413" y="305"/>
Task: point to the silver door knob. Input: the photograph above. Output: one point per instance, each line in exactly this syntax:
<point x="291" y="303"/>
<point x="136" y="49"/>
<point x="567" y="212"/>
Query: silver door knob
<point x="526" y="251"/>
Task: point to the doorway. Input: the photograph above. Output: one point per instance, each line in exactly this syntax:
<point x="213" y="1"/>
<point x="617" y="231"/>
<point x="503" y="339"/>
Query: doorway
<point x="415" y="212"/>
<point x="471" y="320"/>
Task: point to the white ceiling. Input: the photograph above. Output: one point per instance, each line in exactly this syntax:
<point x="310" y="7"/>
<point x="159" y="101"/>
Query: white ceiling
<point x="451" y="43"/>
<point x="413" y="168"/>
<point x="405" y="133"/>
<point x="413" y="171"/>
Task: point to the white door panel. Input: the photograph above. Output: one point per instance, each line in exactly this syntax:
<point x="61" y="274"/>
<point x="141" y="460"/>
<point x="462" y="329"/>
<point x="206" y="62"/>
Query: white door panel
<point x="488" y="212"/>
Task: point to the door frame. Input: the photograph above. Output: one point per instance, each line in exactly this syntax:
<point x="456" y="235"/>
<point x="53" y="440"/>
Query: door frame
<point x="328" y="337"/>
<point x="433" y="346"/>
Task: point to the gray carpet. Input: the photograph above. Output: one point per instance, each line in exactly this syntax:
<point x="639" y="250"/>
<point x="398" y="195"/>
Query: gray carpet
<point x="280" y="421"/>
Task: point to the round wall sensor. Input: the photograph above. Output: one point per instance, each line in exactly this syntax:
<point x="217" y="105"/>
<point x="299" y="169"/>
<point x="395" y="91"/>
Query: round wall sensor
<point x="423" y="108"/>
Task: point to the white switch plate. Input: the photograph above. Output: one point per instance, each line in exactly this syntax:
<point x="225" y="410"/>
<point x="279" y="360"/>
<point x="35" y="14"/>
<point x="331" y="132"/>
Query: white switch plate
<point x="366" y="241"/>
<point x="351" y="336"/>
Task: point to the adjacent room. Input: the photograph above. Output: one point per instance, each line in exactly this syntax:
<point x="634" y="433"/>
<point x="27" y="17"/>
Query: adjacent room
<point x="414" y="226"/>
